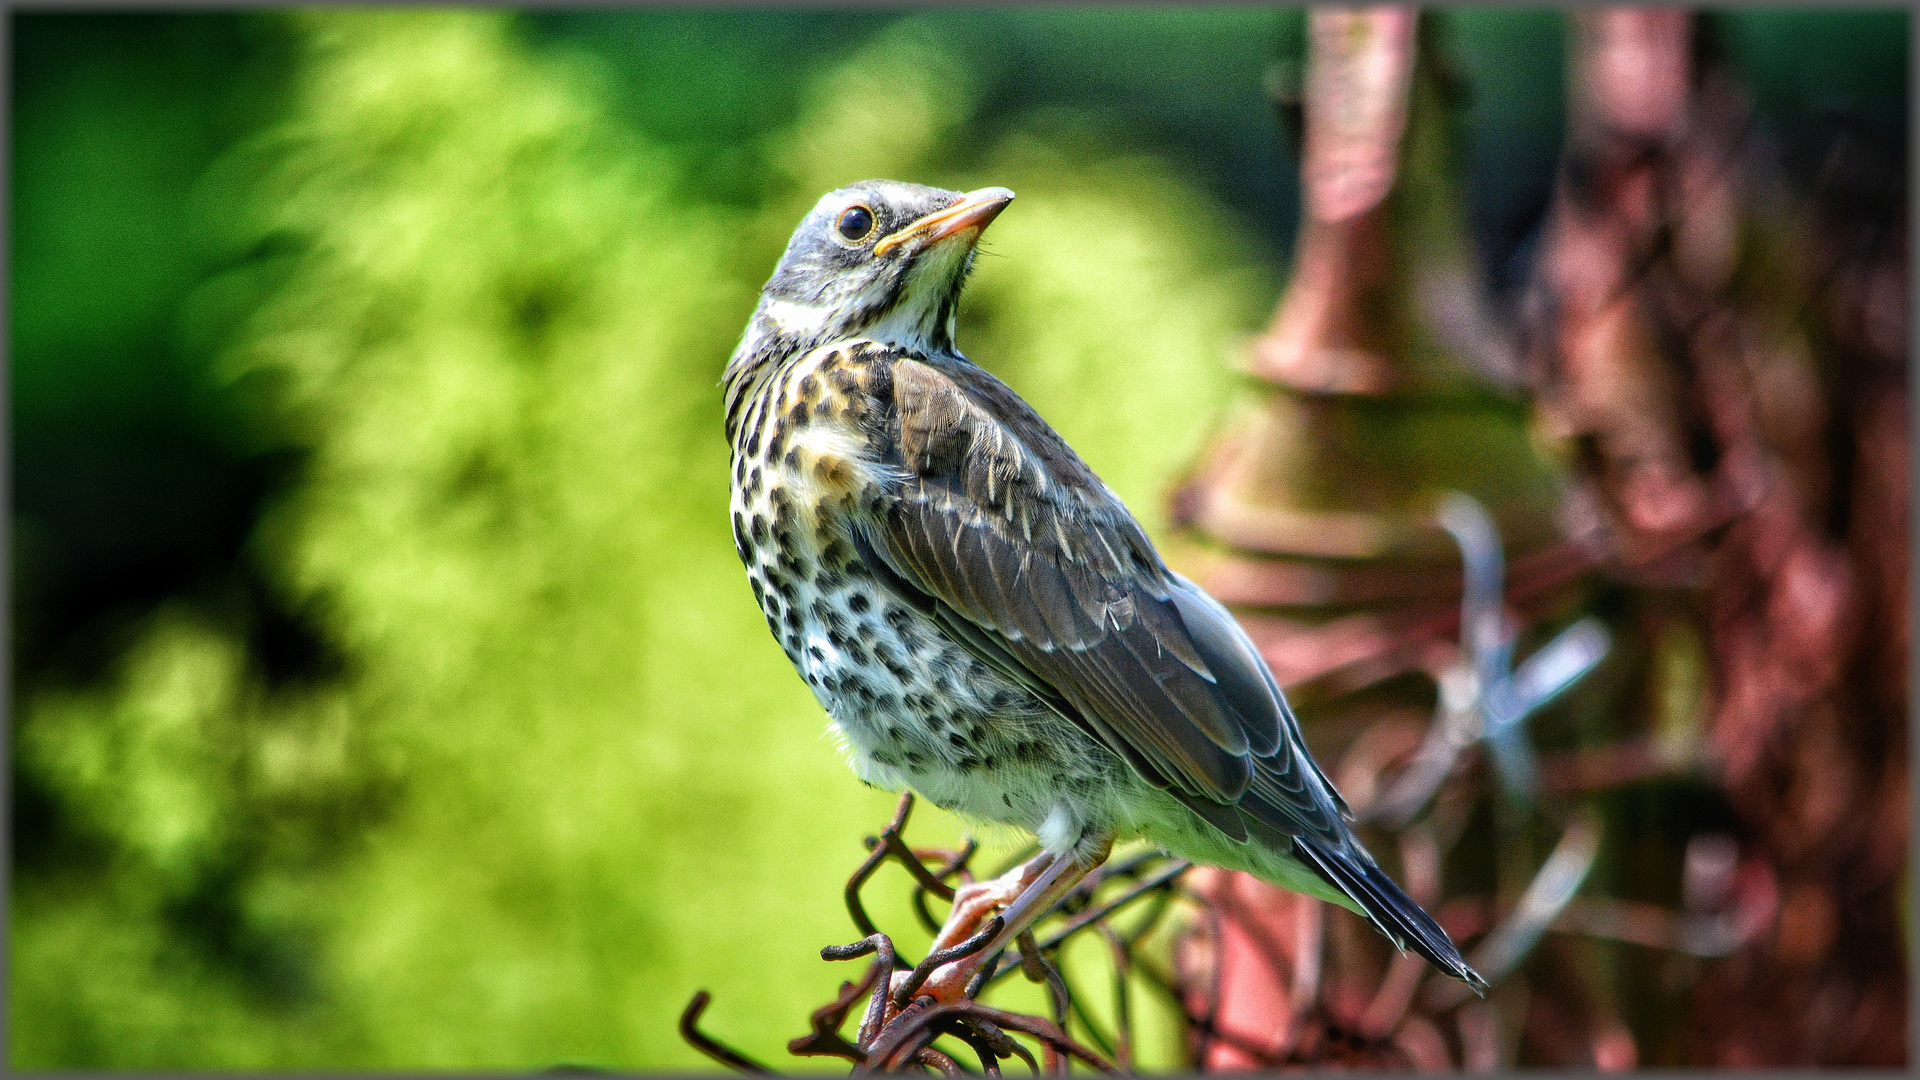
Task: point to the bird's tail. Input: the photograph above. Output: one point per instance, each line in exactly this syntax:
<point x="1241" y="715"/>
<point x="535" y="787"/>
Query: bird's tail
<point x="1391" y="910"/>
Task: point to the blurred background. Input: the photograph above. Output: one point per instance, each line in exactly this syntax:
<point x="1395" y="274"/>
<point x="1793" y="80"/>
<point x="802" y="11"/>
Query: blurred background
<point x="386" y="693"/>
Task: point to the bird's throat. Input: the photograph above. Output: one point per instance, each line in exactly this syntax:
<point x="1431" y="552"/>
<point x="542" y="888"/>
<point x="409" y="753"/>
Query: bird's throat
<point x="918" y="318"/>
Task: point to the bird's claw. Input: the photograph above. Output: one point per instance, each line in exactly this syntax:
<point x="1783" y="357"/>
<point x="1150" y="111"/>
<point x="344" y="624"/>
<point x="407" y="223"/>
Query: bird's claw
<point x="974" y="907"/>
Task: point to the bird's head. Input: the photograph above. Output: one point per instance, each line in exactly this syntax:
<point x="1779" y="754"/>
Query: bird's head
<point x="880" y="259"/>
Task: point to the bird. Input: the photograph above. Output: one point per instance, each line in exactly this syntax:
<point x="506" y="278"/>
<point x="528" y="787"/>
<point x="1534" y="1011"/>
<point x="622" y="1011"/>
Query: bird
<point x="980" y="615"/>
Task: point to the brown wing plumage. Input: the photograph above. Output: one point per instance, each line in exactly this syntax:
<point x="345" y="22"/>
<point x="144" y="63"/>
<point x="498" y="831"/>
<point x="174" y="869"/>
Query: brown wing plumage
<point x="998" y="527"/>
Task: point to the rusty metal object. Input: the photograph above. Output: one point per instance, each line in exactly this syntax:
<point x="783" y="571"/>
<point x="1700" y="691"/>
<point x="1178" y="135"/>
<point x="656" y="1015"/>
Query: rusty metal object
<point x="713" y="1048"/>
<point x="900" y="1029"/>
<point x="1740" y="415"/>
<point x="1383" y="381"/>
<point x="1735" y="424"/>
<point x="1319" y="518"/>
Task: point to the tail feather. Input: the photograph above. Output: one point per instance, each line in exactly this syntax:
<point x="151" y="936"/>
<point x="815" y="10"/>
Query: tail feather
<point x="1392" y="911"/>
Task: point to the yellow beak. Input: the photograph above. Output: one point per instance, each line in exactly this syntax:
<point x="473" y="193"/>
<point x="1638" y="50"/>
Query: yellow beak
<point x="974" y="210"/>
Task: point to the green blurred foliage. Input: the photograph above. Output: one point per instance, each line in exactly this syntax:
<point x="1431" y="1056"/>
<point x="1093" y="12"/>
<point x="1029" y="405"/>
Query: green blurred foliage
<point x="559" y="779"/>
<point x="129" y="475"/>
<point x="387" y="693"/>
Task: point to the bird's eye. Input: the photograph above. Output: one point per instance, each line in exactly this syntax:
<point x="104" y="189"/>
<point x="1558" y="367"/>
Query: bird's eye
<point x="855" y="223"/>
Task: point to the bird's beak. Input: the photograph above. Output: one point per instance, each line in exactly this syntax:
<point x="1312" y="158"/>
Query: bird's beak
<point x="974" y="210"/>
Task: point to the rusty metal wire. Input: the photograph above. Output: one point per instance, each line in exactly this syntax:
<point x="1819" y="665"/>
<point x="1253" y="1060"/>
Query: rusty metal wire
<point x="1390" y="1024"/>
<point x="718" y="1051"/>
<point x="899" y="1029"/>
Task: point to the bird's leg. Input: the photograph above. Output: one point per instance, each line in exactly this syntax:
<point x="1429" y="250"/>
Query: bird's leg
<point x="1024" y="894"/>
<point x="975" y="903"/>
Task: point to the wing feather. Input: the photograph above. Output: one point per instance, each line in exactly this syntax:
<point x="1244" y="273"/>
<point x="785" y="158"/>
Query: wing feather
<point x="999" y="528"/>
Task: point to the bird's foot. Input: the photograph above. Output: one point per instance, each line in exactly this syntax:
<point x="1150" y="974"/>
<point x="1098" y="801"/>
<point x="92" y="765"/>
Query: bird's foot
<point x="1019" y="898"/>
<point x="974" y="905"/>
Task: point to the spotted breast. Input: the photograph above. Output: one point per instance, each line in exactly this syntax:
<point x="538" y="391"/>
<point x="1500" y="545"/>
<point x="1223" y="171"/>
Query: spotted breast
<point x="816" y="448"/>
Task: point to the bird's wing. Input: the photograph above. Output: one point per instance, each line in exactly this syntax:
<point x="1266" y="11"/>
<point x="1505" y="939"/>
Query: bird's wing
<point x="996" y="527"/>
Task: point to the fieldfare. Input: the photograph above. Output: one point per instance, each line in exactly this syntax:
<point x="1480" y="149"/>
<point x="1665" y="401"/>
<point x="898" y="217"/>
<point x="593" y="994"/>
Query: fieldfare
<point x="983" y="619"/>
